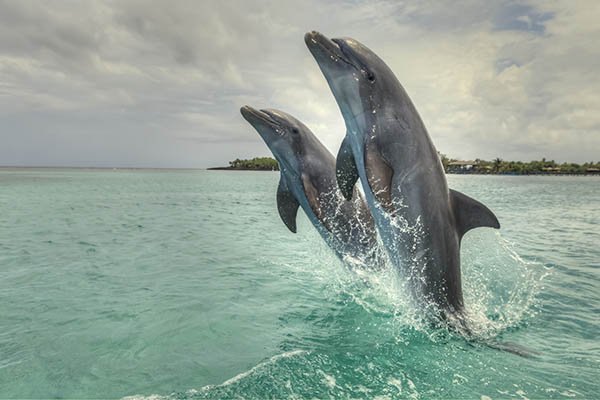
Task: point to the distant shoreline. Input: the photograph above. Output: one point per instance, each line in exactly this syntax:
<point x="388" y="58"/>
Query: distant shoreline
<point x="447" y="173"/>
<point x="530" y="174"/>
<point x="239" y="169"/>
<point x="107" y="168"/>
<point x="6" y="167"/>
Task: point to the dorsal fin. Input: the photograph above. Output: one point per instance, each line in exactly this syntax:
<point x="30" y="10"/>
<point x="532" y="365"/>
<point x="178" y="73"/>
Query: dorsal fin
<point x="470" y="213"/>
<point x="345" y="169"/>
<point x="287" y="205"/>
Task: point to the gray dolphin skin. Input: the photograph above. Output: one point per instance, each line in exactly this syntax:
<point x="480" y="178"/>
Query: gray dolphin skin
<point x="421" y="222"/>
<point x="308" y="180"/>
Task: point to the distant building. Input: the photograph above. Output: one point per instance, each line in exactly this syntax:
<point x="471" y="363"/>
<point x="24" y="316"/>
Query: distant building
<point x="592" y="171"/>
<point x="551" y="169"/>
<point x="461" y="167"/>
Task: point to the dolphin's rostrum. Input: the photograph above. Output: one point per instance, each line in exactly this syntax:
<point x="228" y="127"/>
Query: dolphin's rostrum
<point x="421" y="221"/>
<point x="308" y="181"/>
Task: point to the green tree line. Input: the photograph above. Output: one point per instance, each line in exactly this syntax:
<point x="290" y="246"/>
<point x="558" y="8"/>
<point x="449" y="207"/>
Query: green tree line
<point x="499" y="166"/>
<point x="258" y="163"/>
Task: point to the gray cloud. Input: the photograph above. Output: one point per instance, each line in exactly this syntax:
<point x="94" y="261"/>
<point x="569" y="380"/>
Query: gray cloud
<point x="138" y="83"/>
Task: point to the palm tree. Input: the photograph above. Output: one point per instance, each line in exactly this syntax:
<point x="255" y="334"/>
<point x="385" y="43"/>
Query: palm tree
<point x="497" y="164"/>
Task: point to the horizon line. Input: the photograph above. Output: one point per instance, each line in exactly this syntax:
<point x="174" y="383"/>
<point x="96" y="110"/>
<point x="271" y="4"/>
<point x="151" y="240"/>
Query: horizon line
<point x="92" y="167"/>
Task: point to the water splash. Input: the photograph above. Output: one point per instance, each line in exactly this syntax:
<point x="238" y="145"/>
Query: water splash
<point x="500" y="287"/>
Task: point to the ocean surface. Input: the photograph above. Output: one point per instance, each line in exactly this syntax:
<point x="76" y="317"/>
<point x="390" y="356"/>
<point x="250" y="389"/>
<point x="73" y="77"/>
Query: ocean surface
<point x="185" y="284"/>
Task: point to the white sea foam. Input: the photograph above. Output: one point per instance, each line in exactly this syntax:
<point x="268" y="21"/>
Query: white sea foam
<point x="271" y="360"/>
<point x="142" y="397"/>
<point x="329" y="380"/>
<point x="230" y="381"/>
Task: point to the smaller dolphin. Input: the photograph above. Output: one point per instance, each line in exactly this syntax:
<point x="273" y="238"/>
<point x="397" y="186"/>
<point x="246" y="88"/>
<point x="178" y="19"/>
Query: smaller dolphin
<point x="308" y="180"/>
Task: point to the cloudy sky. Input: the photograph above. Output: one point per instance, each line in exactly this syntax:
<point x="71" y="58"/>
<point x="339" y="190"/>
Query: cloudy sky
<point x="160" y="83"/>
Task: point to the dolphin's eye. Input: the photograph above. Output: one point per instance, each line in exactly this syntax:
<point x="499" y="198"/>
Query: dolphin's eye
<point x="370" y="77"/>
<point x="295" y="130"/>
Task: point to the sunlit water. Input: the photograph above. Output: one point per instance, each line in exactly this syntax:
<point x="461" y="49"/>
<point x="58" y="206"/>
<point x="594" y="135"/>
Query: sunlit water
<point x="185" y="284"/>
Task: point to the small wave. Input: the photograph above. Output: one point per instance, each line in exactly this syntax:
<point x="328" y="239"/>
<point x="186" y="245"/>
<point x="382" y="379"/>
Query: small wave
<point x="194" y="393"/>
<point x="256" y="367"/>
<point x="142" y="397"/>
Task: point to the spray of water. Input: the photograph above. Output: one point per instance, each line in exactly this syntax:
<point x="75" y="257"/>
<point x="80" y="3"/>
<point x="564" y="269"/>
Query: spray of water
<point x="499" y="287"/>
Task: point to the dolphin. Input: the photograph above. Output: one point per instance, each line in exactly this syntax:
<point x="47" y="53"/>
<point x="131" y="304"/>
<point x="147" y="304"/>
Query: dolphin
<point x="308" y="180"/>
<point x="420" y="220"/>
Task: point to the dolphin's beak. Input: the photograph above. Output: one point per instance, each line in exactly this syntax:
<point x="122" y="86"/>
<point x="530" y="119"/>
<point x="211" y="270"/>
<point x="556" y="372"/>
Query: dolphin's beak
<point x="265" y="125"/>
<point x="310" y="38"/>
<point x="254" y="116"/>
<point x="321" y="47"/>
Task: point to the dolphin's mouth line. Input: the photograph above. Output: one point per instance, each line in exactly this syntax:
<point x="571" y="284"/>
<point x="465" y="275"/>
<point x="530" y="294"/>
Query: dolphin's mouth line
<point x="334" y="50"/>
<point x="262" y="115"/>
<point x="269" y="117"/>
<point x="340" y="56"/>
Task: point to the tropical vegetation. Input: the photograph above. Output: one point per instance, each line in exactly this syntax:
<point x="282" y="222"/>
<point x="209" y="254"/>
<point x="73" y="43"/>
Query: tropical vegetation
<point x="478" y="166"/>
<point x="257" y="163"/>
<point x="499" y="166"/>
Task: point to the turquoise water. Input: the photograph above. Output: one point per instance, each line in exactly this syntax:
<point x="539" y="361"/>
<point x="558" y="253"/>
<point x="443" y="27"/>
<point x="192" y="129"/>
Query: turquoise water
<point x="185" y="284"/>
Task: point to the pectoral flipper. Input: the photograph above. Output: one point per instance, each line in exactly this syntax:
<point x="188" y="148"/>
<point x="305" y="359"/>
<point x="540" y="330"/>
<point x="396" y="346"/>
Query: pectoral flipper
<point x="314" y="200"/>
<point x="379" y="177"/>
<point x="287" y="205"/>
<point x="346" y="172"/>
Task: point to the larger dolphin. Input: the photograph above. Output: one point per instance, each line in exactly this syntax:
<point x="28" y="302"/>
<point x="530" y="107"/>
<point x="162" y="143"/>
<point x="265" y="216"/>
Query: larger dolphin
<point x="420" y="220"/>
<point x="308" y="180"/>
